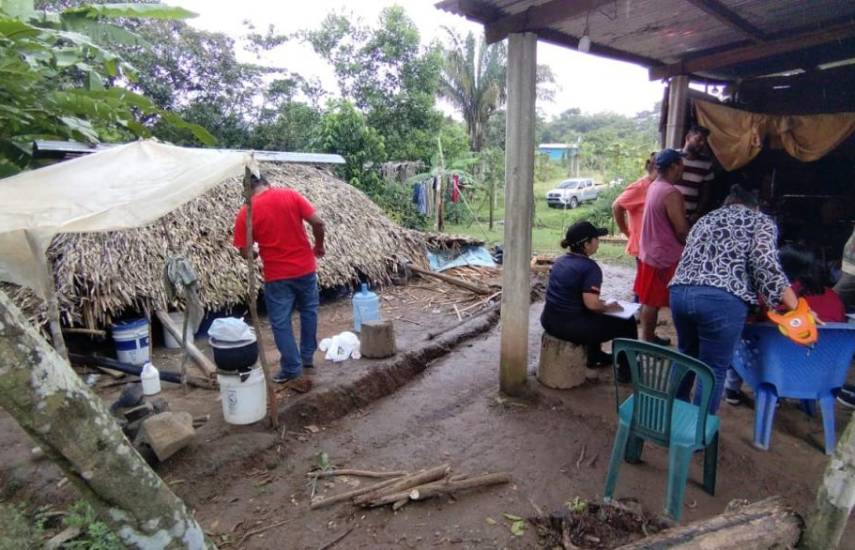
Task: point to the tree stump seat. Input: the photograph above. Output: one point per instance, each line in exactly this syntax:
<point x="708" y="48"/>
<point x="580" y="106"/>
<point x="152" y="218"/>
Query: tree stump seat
<point x="563" y="365"/>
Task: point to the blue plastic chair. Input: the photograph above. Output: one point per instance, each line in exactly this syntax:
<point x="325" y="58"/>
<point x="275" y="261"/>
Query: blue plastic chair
<point x="776" y="367"/>
<point x="652" y="413"/>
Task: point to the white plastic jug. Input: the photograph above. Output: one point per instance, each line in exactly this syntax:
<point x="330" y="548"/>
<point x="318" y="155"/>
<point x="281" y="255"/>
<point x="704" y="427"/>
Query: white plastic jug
<point x="150" y="378"/>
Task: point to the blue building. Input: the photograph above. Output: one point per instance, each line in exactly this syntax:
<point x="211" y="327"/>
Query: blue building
<point x="565" y="153"/>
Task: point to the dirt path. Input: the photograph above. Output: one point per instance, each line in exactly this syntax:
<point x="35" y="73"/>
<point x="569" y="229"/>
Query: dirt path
<point x="453" y="413"/>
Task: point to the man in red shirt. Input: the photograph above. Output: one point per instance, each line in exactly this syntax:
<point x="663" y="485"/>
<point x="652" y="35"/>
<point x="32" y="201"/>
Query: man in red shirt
<point x="290" y="281"/>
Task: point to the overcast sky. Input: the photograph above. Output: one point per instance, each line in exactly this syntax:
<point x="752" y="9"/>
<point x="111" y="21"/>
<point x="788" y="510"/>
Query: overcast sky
<point x="591" y="83"/>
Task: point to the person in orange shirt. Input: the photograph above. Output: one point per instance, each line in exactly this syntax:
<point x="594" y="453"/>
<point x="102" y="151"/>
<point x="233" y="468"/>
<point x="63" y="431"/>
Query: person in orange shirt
<point x="628" y="211"/>
<point x="628" y="208"/>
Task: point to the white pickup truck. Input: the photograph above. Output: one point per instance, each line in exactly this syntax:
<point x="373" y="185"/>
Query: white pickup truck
<point x="572" y="192"/>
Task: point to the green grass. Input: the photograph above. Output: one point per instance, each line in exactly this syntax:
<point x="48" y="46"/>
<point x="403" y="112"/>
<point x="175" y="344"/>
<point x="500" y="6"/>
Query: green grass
<point x="549" y="226"/>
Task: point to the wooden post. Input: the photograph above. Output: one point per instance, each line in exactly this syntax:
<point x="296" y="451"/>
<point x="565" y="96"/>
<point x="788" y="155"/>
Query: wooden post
<point x="492" y="200"/>
<point x="835" y="497"/>
<point x="272" y="407"/>
<point x="677" y="100"/>
<point x="440" y="174"/>
<point x="519" y="202"/>
<point x="54" y="322"/>
<point x="51" y="403"/>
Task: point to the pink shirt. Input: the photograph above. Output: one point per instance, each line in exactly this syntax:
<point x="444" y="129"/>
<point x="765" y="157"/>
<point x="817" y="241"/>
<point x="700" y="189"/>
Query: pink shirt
<point x="659" y="246"/>
<point x="632" y="200"/>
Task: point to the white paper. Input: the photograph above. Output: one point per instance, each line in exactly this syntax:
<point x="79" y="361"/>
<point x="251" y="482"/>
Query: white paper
<point x="628" y="309"/>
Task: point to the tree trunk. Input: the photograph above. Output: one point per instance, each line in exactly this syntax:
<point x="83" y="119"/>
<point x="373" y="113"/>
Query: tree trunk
<point x="50" y="402"/>
<point x="835" y="497"/>
<point x="758" y="526"/>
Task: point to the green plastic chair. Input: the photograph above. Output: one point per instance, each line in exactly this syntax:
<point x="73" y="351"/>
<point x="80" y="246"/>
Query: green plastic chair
<point x="653" y="414"/>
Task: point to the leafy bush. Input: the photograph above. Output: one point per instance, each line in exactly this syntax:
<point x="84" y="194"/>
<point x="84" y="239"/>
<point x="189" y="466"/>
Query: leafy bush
<point x="94" y="533"/>
<point x="17" y="530"/>
<point x="601" y="210"/>
<point x="396" y="201"/>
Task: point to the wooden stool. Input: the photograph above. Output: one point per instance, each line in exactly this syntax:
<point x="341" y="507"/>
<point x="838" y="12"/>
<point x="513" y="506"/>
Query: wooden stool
<point x="563" y="365"/>
<point x="377" y="339"/>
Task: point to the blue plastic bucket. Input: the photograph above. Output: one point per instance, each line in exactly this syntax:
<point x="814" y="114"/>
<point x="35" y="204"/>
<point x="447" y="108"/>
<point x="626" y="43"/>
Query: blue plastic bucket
<point x="131" y="341"/>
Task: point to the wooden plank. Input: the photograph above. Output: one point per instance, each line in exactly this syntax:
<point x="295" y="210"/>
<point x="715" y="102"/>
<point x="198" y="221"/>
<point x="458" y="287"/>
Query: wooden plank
<point x="792" y="43"/>
<point x="519" y="198"/>
<point x="195" y="353"/>
<point x="727" y="16"/>
<point x="563" y="39"/>
<point x="536" y="18"/>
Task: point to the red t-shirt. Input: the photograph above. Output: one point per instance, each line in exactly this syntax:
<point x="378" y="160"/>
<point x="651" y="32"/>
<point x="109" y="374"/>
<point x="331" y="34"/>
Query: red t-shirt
<point x="277" y="227"/>
<point x="828" y="306"/>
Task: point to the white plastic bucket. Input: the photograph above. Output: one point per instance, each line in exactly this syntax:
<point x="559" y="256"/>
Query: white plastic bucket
<point x="131" y="341"/>
<point x="244" y="396"/>
<point x="178" y="320"/>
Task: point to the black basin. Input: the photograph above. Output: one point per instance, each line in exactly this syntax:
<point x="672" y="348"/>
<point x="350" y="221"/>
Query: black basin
<point x="231" y="356"/>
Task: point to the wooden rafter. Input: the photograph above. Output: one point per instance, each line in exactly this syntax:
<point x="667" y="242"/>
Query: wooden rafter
<point x="727" y="16"/>
<point x="562" y="39"/>
<point x="539" y="17"/>
<point x="792" y="42"/>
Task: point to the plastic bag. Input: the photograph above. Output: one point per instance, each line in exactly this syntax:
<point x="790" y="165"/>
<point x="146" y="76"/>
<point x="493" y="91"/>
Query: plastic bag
<point x="231" y="329"/>
<point x="341" y="347"/>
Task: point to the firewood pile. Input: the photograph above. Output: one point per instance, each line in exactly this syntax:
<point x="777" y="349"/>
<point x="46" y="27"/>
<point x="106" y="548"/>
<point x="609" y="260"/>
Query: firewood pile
<point x="400" y="488"/>
<point x="461" y="291"/>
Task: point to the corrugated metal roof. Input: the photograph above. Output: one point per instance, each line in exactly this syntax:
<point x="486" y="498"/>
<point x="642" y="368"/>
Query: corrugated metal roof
<point x="665" y="32"/>
<point x="49" y="146"/>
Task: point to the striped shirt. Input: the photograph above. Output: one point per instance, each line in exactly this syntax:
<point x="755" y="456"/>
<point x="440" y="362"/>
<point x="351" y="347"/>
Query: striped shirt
<point x="696" y="174"/>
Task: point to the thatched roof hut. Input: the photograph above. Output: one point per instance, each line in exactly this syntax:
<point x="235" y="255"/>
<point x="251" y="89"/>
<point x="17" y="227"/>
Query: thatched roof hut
<point x="100" y="275"/>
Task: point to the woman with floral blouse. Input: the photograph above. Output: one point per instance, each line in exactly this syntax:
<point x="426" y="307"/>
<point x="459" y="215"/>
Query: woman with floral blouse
<point x="730" y="258"/>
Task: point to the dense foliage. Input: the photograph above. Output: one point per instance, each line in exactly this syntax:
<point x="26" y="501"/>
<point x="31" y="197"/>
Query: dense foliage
<point x="57" y="80"/>
<point x="385" y="108"/>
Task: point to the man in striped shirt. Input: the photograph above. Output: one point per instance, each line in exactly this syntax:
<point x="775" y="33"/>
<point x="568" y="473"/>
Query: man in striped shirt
<point x="696" y="183"/>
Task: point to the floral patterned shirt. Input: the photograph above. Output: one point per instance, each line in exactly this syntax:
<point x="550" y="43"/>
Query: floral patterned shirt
<point x="735" y="249"/>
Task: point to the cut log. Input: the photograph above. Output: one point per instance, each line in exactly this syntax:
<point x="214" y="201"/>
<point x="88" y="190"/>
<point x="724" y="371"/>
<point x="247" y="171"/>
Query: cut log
<point x="471" y="287"/>
<point x="377" y="339"/>
<point x="563" y="365"/>
<point x="321" y="502"/>
<point x="444" y="487"/>
<point x="195" y="353"/>
<point x="406" y="483"/>
<point x="765" y="524"/>
<point x="168" y="432"/>
<point x="355" y="473"/>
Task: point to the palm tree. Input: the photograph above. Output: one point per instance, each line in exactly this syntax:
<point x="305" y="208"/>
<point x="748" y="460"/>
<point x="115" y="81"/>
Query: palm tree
<point x="473" y="80"/>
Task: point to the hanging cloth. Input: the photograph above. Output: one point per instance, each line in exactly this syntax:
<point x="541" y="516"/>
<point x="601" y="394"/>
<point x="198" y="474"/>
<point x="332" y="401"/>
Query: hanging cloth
<point x="737" y="136"/>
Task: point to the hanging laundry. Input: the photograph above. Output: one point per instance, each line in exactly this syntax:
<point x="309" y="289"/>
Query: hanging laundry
<point x="455" y="188"/>
<point x="420" y="197"/>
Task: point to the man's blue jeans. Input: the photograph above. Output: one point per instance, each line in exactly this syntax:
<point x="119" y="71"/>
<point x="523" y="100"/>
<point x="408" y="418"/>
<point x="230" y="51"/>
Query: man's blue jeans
<point x="282" y="297"/>
<point x="709" y="322"/>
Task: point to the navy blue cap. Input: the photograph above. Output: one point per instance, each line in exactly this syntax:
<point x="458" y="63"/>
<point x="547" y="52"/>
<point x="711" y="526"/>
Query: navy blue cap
<point x="667" y="157"/>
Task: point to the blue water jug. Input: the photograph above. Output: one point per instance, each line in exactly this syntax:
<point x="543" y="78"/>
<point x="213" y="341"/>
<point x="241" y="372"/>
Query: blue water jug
<point x="366" y="307"/>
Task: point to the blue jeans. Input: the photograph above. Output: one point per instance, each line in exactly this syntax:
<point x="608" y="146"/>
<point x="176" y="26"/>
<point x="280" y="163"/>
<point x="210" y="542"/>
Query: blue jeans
<point x="709" y="322"/>
<point x="282" y="297"/>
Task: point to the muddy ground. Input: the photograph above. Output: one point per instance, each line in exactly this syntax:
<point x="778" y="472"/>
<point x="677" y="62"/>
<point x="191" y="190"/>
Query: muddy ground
<point x="555" y="444"/>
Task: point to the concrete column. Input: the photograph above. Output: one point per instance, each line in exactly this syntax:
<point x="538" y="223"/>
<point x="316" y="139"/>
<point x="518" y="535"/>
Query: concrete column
<point x="519" y="208"/>
<point x="675" y="128"/>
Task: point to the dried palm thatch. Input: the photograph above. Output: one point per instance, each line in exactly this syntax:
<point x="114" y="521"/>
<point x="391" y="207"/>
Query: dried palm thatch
<point x="99" y="275"/>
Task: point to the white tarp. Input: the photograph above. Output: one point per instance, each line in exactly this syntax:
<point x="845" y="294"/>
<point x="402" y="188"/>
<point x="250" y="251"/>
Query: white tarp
<point x="123" y="187"/>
